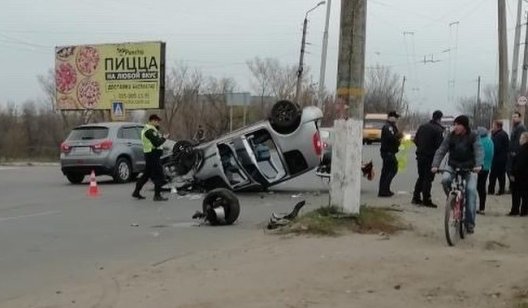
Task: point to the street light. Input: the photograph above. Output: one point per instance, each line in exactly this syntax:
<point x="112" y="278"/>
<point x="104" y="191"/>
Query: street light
<point x="303" y="43"/>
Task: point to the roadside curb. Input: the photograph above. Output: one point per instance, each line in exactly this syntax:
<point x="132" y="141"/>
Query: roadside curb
<point x="30" y="164"/>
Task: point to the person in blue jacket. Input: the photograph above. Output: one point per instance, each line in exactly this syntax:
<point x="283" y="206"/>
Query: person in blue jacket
<point x="488" y="147"/>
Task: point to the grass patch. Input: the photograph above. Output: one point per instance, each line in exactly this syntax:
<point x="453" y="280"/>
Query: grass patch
<point x="331" y="221"/>
<point x="521" y="298"/>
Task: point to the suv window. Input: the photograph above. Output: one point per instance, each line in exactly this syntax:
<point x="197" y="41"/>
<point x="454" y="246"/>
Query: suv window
<point x="129" y="133"/>
<point x="88" y="133"/>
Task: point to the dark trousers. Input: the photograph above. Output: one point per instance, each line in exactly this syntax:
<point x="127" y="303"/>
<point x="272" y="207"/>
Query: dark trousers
<point x="519" y="199"/>
<point x="388" y="172"/>
<point x="153" y="170"/>
<point x="481" y="188"/>
<point x="498" y="172"/>
<point x="425" y="178"/>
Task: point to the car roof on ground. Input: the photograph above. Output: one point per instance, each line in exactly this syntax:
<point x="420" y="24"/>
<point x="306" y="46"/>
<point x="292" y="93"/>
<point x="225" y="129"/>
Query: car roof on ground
<point x="110" y="124"/>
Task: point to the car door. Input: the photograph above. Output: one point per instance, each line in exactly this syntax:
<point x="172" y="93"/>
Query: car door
<point x="131" y="137"/>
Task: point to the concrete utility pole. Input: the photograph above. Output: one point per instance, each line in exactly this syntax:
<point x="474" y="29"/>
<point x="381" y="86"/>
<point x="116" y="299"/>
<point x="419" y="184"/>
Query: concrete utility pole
<point x="347" y="150"/>
<point x="516" y="47"/>
<point x="503" y="61"/>
<point x="322" y="72"/>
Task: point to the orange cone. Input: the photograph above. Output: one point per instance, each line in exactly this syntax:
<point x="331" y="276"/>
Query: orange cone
<point x="93" y="190"/>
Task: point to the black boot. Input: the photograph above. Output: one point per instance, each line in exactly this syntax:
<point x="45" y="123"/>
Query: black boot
<point x="137" y="195"/>
<point x="416" y="201"/>
<point x="160" y="198"/>
<point x="429" y="203"/>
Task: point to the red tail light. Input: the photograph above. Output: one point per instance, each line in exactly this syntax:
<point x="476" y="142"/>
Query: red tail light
<point x="103" y="146"/>
<point x="65" y="148"/>
<point x="317" y="144"/>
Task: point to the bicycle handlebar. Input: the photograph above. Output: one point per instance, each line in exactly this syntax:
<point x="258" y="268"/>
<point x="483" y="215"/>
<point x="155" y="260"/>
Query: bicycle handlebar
<point x="457" y="170"/>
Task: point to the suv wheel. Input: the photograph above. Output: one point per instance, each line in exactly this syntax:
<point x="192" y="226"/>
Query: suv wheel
<point x="122" y="170"/>
<point x="75" y="178"/>
<point x="285" y="116"/>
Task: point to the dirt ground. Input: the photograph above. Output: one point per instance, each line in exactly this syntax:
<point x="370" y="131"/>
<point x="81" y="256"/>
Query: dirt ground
<point x="414" y="268"/>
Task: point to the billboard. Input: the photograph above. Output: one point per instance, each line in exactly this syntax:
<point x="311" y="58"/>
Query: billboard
<point x="95" y="76"/>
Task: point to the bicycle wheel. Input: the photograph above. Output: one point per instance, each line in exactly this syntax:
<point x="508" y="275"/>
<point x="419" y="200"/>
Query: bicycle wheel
<point x="452" y="221"/>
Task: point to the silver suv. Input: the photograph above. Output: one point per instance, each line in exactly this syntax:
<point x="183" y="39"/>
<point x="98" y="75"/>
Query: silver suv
<point x="113" y="149"/>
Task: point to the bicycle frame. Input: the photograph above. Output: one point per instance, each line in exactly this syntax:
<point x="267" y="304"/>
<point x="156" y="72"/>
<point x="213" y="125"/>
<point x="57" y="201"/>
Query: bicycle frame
<point x="454" y="221"/>
<point x="458" y="189"/>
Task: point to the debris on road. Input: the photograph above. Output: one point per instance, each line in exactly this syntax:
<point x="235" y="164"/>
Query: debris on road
<point x="282" y="220"/>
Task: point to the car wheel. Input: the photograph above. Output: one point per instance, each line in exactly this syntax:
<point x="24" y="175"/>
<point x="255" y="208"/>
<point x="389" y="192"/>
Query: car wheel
<point x="185" y="156"/>
<point x="75" y="178"/>
<point x="221" y="199"/>
<point x="285" y="116"/>
<point x="122" y="170"/>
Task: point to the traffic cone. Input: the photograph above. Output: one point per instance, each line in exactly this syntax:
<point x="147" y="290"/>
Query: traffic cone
<point x="93" y="190"/>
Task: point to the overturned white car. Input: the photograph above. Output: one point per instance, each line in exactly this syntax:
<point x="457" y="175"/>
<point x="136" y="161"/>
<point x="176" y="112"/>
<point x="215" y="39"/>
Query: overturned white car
<point x="255" y="157"/>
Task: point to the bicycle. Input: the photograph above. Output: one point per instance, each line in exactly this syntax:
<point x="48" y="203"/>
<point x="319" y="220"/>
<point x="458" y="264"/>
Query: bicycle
<point x="454" y="219"/>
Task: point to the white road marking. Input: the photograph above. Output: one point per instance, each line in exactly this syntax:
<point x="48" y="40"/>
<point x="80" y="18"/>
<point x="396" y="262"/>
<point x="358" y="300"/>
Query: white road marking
<point x="7" y="168"/>
<point x="29" y="215"/>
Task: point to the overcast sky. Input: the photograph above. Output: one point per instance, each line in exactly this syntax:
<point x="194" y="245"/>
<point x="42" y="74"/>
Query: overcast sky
<point x="220" y="36"/>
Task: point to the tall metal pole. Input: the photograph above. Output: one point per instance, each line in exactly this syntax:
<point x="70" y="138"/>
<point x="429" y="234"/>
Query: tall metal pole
<point x="303" y="44"/>
<point x="402" y="91"/>
<point x="346" y="156"/>
<point x="516" y="47"/>
<point x="503" y="60"/>
<point x="524" y="66"/>
<point x="301" y="58"/>
<point x="322" y="72"/>
<point x="479" y="110"/>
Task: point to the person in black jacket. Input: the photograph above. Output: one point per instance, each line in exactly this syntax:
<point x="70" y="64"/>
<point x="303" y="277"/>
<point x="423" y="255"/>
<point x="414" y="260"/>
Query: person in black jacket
<point x="428" y="138"/>
<point x="516" y="131"/>
<point x="390" y="143"/>
<point x="501" y="144"/>
<point x="519" y="178"/>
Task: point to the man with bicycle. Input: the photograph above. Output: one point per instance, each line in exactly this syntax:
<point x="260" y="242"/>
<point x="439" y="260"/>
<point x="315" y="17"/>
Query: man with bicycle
<point x="465" y="152"/>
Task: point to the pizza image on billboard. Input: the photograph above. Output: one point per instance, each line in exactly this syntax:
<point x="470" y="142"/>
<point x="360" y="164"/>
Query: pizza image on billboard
<point x="88" y="93"/>
<point x="87" y="60"/>
<point x="65" y="78"/>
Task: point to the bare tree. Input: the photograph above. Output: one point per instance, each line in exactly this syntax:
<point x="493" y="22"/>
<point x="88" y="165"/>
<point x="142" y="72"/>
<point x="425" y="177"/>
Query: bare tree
<point x="216" y="115"/>
<point x="383" y="91"/>
<point x="481" y="115"/>
<point x="182" y="87"/>
<point x="261" y="70"/>
<point x="271" y="78"/>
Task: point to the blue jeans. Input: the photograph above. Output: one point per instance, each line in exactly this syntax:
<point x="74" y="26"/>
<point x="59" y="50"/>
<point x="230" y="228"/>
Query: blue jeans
<point x="471" y="193"/>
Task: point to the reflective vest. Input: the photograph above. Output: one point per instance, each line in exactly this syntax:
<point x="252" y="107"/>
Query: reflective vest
<point x="147" y="145"/>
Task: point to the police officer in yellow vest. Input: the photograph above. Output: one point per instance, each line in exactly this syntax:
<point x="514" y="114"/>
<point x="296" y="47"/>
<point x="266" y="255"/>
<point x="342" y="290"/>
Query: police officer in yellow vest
<point x="152" y="141"/>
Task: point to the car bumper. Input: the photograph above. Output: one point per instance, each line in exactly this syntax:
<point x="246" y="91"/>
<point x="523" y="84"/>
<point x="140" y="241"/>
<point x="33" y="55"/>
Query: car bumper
<point x="85" y="165"/>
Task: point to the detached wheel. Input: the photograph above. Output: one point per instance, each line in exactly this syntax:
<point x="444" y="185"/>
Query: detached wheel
<point x="122" y="171"/>
<point x="221" y="201"/>
<point x="285" y="116"/>
<point x="75" y="178"/>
